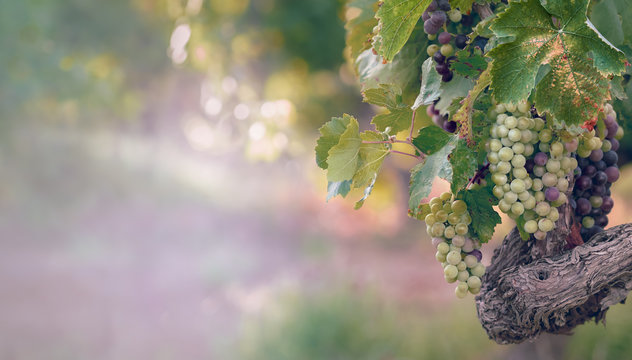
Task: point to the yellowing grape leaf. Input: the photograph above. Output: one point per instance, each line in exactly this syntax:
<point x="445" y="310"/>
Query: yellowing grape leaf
<point x="559" y="34"/>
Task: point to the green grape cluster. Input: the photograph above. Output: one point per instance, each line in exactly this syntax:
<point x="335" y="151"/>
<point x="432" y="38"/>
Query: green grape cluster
<point x="448" y="225"/>
<point x="530" y="165"/>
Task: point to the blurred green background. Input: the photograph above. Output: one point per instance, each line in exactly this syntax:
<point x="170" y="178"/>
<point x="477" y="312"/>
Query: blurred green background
<point x="159" y="198"/>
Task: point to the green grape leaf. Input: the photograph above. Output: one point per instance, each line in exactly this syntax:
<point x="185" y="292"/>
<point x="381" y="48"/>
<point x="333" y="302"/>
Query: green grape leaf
<point x="341" y="188"/>
<point x="430" y="85"/>
<point x="423" y="175"/>
<point x="459" y="87"/>
<point x="479" y="204"/>
<point x="399" y="115"/>
<point x="343" y="157"/>
<point x="469" y="65"/>
<point x="464" y="5"/>
<point x="360" y="28"/>
<point x="616" y="88"/>
<point x="464" y="165"/>
<point x="370" y="158"/>
<point x="367" y="192"/>
<point x="557" y="33"/>
<point x="330" y="136"/>
<point x="431" y="139"/>
<point x="607" y="18"/>
<point x="397" y="19"/>
<point x="402" y="72"/>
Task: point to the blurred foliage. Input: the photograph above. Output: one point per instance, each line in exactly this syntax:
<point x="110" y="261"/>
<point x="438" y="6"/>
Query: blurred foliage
<point x="73" y="60"/>
<point x="344" y="325"/>
<point x="604" y="341"/>
<point x="276" y="66"/>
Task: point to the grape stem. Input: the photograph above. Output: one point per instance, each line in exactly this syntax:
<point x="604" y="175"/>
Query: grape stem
<point x="412" y="126"/>
<point x="478" y="175"/>
<point x="407" y="154"/>
<point x="408" y="141"/>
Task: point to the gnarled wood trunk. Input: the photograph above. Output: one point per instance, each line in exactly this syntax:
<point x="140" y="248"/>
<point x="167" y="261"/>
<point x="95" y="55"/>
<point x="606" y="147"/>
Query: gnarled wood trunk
<point x="535" y="287"/>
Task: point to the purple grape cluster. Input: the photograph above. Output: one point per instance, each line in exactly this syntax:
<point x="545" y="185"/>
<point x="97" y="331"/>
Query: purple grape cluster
<point x="435" y="19"/>
<point x="441" y="120"/>
<point x="594" y="176"/>
<point x="435" y="16"/>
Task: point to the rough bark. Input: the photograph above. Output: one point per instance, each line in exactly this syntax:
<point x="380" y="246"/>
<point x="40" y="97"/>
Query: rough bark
<point x="535" y="287"/>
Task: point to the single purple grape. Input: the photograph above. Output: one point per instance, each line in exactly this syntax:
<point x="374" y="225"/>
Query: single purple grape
<point x="430" y="28"/>
<point x="590" y="170"/>
<point x="460" y="41"/>
<point x="615" y="144"/>
<point x="612" y="174"/>
<point x="583" y="182"/>
<point x="529" y="165"/>
<point x="601" y="221"/>
<point x="611" y="126"/>
<point x="610" y="158"/>
<point x="590" y="232"/>
<point x="596" y="155"/>
<point x="438" y="57"/>
<point x="442" y="68"/>
<point x="433" y="6"/>
<point x="447" y="77"/>
<point x="607" y="204"/>
<point x="540" y="159"/>
<point x="594" y="212"/>
<point x="599" y="190"/>
<point x="445" y="38"/>
<point x="449" y="126"/>
<point x="425" y="16"/>
<point x="582" y="162"/>
<point x="438" y="18"/>
<point x="477" y="253"/>
<point x="444" y="5"/>
<point x="583" y="206"/>
<point x="552" y="194"/>
<point x="600" y="178"/>
<point x="430" y="110"/>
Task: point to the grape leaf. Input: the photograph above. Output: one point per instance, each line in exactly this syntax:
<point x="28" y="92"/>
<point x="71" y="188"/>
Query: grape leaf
<point x="607" y="18"/>
<point x="430" y="85"/>
<point x="343" y="157"/>
<point x="338" y="188"/>
<point x="464" y="5"/>
<point x="399" y="115"/>
<point x="457" y="88"/>
<point x="464" y="165"/>
<point x="370" y="158"/>
<point x="360" y="27"/>
<point x="423" y="174"/>
<point x="367" y="192"/>
<point x="330" y="136"/>
<point x="479" y="204"/>
<point x="402" y="72"/>
<point x="469" y="65"/>
<point x="559" y="34"/>
<point x="397" y="19"/>
<point x="431" y="139"/>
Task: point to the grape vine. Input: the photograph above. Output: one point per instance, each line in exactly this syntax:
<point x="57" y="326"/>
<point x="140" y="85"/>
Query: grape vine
<point x="519" y="116"/>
